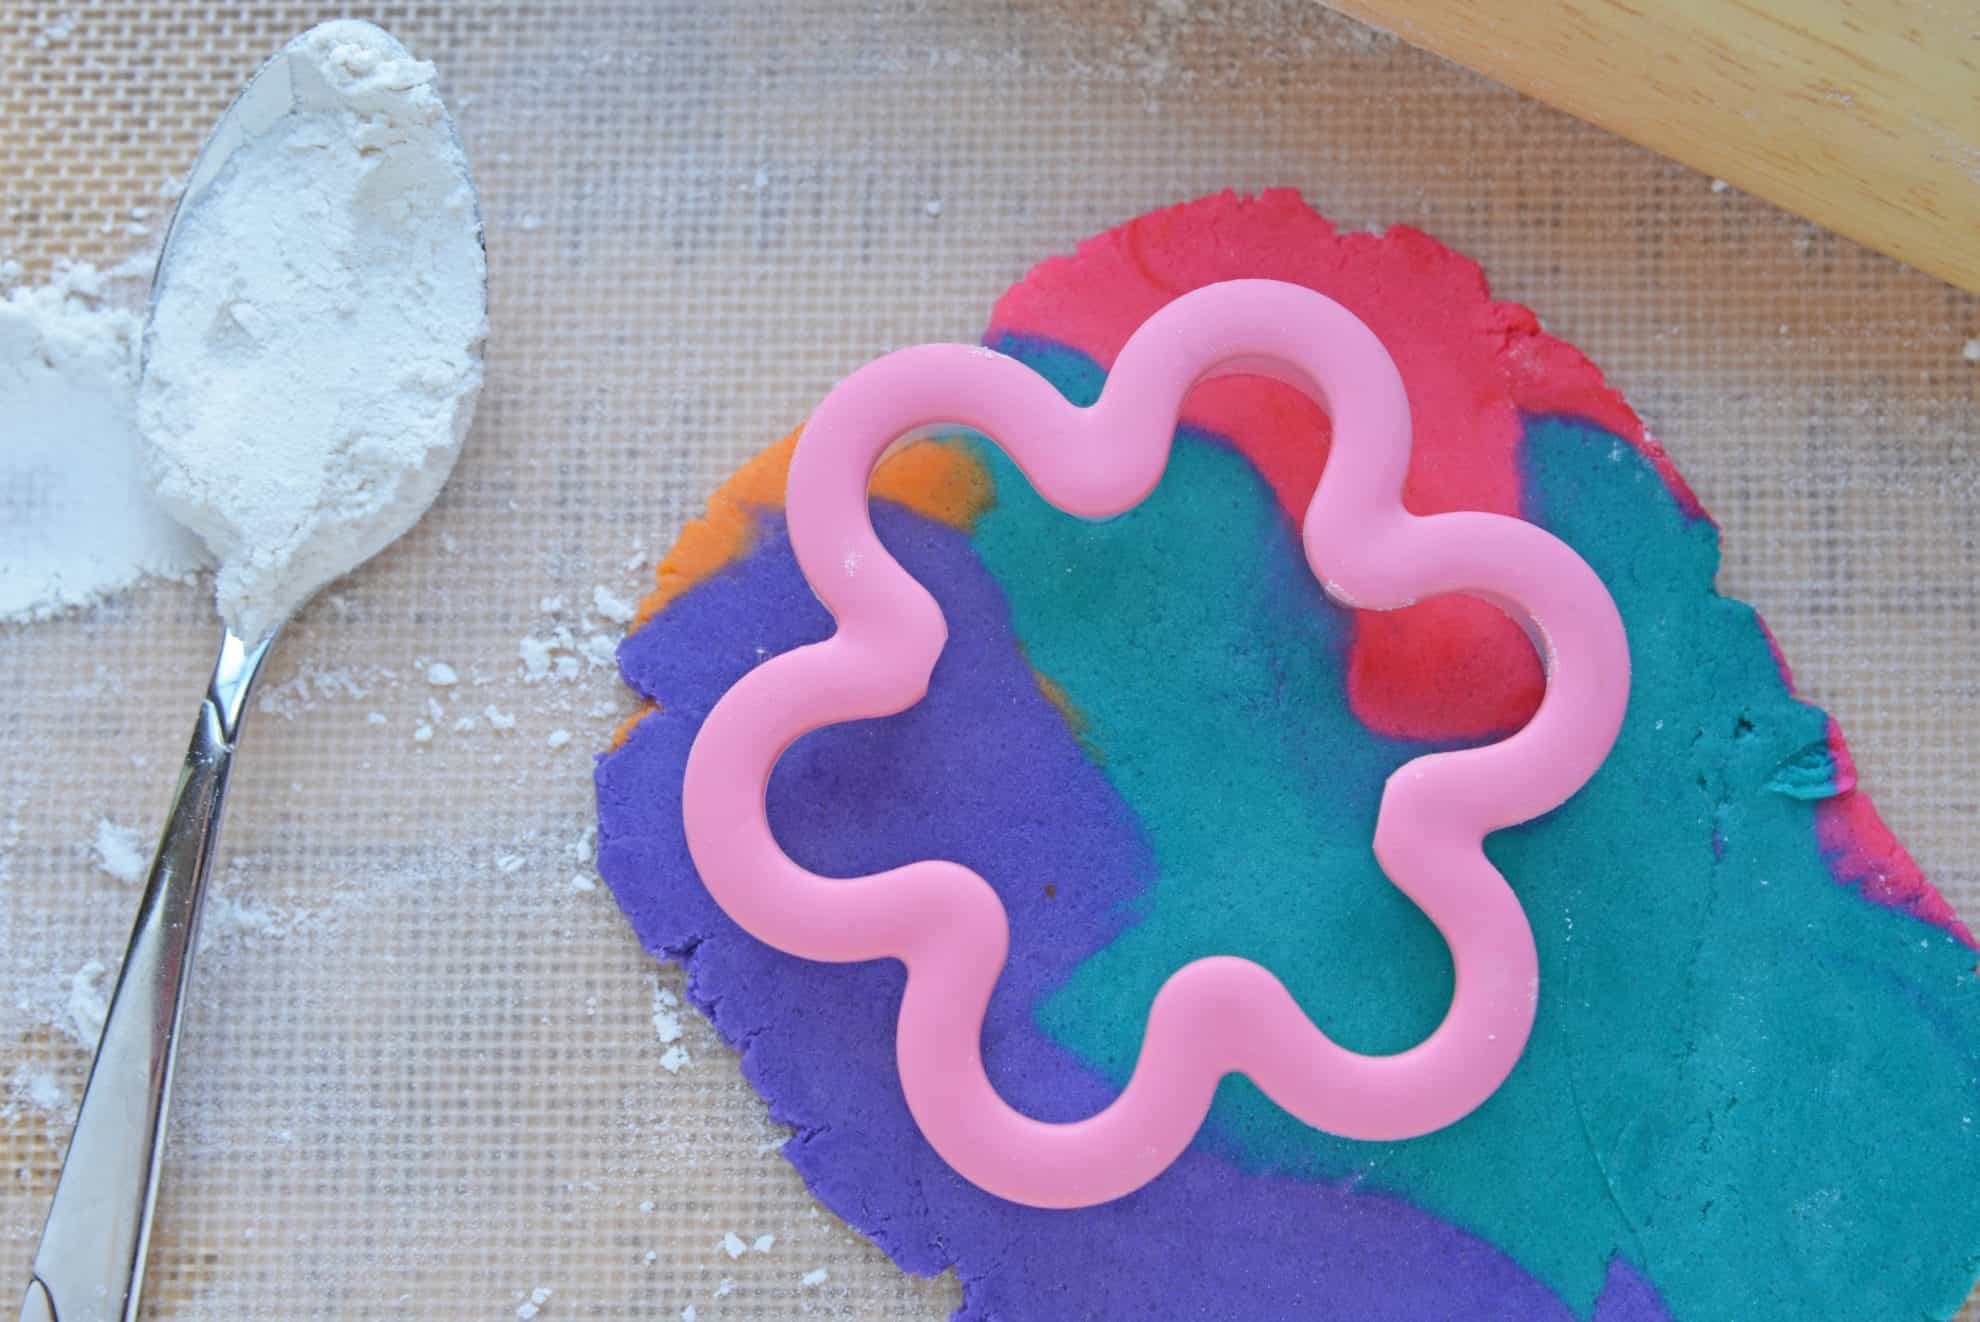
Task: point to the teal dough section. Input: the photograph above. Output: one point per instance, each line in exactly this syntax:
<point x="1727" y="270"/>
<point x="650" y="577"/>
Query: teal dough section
<point x="1753" y="1085"/>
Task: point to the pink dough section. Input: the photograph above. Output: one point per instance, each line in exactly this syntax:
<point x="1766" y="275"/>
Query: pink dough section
<point x="1451" y="668"/>
<point x="1861" y="851"/>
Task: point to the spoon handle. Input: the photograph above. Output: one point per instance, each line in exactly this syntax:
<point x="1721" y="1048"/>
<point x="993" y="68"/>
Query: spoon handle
<point x="90" y="1265"/>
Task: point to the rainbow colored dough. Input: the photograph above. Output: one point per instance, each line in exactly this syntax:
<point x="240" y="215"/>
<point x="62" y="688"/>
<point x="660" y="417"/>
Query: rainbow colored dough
<point x="1220" y="1015"/>
<point x="1751" y="1088"/>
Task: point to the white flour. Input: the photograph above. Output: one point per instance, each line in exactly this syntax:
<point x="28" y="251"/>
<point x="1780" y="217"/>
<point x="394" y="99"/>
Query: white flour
<point x="315" y="352"/>
<point x="120" y="852"/>
<point x="77" y="520"/>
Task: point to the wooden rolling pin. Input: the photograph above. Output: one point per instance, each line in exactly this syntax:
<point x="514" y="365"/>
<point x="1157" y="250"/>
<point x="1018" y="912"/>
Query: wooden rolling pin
<point x="1863" y="115"/>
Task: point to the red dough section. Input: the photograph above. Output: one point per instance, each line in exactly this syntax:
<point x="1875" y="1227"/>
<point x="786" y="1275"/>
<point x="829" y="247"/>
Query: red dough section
<point x="1861" y="851"/>
<point x="1452" y="668"/>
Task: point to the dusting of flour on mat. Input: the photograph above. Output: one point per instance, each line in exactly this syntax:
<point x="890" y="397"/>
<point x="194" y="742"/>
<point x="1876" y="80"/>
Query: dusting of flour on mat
<point x="315" y="349"/>
<point x="77" y="521"/>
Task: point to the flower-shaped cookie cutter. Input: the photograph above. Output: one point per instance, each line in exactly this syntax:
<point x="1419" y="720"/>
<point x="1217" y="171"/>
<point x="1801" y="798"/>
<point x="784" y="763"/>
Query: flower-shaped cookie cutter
<point x="1217" y="1015"/>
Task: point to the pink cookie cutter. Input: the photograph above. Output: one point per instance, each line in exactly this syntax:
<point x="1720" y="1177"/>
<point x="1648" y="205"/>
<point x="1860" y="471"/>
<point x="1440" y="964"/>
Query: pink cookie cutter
<point x="1219" y="1015"/>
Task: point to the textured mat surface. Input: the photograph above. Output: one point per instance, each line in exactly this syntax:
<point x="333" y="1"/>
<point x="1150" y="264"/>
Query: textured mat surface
<point x="398" y="1104"/>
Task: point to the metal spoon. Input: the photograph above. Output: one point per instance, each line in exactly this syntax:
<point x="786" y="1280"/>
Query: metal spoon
<point x="90" y="1263"/>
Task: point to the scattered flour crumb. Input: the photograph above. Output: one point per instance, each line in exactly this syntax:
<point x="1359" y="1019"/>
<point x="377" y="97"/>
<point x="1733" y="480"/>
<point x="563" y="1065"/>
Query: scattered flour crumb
<point x="558" y="737"/>
<point x="534" y="1304"/>
<point x="733" y="1245"/>
<point x="423" y="734"/>
<point x="45" y="1091"/>
<point x="229" y="917"/>
<point x="816" y="1276"/>
<point x="933" y="207"/>
<point x="535" y="653"/>
<point x="762" y="180"/>
<point x="442" y="675"/>
<point x="531" y="222"/>
<point x="666" y="1024"/>
<point x="651" y="1256"/>
<point x="85" y="1010"/>
<point x="726" y="1288"/>
<point x="647" y="1206"/>
<point x="498" y="719"/>
<point x="687" y="1314"/>
<point x="764" y="1243"/>
<point x="61" y="29"/>
<point x="611" y="606"/>
<point x="120" y="852"/>
<point x="674" y="1059"/>
<point x="1720" y="186"/>
<point x="509" y="864"/>
<point x="1971" y="351"/>
<point x="552" y="657"/>
<point x="580" y="882"/>
<point x="374" y="718"/>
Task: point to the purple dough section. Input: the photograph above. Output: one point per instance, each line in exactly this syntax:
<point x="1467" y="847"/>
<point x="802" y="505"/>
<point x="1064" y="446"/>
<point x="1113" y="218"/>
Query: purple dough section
<point x="984" y="771"/>
<point x="1628" y="1297"/>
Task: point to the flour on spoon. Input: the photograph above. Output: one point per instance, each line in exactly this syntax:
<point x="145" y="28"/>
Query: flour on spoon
<point x="315" y="351"/>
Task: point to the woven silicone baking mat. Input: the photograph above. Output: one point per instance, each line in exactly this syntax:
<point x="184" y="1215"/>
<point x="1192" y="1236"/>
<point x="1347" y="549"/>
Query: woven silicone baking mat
<point x="422" y="1078"/>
